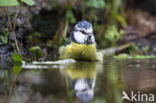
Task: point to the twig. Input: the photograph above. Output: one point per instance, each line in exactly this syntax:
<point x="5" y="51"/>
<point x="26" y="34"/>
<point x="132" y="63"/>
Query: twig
<point x="14" y="35"/>
<point x="110" y="51"/>
<point x="65" y="29"/>
<point x="15" y="16"/>
<point x="12" y="27"/>
<point x="9" y="20"/>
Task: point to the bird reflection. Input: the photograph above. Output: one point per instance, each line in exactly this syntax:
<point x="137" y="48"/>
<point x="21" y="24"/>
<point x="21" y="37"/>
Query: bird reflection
<point x="81" y="77"/>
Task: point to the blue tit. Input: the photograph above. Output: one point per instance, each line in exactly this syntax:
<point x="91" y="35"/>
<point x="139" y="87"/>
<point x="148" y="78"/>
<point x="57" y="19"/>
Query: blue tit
<point x="82" y="46"/>
<point x="81" y="76"/>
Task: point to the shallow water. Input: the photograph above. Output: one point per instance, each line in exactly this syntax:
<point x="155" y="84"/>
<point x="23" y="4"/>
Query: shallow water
<point x="81" y="82"/>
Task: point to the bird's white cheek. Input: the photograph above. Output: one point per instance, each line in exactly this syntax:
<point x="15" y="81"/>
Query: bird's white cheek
<point x="93" y="39"/>
<point x="79" y="37"/>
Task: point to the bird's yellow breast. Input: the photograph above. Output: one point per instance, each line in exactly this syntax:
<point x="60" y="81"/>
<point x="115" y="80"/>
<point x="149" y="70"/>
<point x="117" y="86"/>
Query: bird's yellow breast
<point x="80" y="52"/>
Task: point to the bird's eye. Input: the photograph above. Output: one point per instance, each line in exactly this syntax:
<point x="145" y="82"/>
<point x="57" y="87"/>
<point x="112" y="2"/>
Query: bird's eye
<point x="83" y="32"/>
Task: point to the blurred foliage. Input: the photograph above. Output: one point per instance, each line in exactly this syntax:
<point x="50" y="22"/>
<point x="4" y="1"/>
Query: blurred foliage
<point x="70" y="16"/>
<point x="12" y="19"/>
<point x="100" y="4"/>
<point x="145" y="49"/>
<point x="54" y="26"/>
<point x="37" y="51"/>
<point x="17" y="63"/>
<point x="114" y="83"/>
<point x="114" y="21"/>
<point x="16" y="69"/>
<point x="4" y="36"/>
<point x="17" y="58"/>
<point x="113" y="35"/>
<point x="9" y="3"/>
<point x="115" y="12"/>
<point x="107" y="17"/>
<point x="16" y="2"/>
<point x="29" y="2"/>
<point x="35" y="37"/>
<point x="139" y="50"/>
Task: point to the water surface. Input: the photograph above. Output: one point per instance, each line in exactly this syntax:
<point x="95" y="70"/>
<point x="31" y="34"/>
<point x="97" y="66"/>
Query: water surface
<point x="80" y="82"/>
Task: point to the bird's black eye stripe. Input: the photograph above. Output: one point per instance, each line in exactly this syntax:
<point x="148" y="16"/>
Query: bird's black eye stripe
<point x="83" y="32"/>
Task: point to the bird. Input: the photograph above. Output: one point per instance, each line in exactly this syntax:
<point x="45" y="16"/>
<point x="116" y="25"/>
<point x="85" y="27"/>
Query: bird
<point x="81" y="77"/>
<point x="82" y="44"/>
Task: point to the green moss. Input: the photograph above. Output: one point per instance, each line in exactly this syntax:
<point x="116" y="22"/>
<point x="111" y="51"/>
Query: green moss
<point x="37" y="51"/>
<point x="126" y="56"/>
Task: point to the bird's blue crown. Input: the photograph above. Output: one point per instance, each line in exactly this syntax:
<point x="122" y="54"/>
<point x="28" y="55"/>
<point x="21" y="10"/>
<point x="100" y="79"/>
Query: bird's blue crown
<point x="83" y="24"/>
